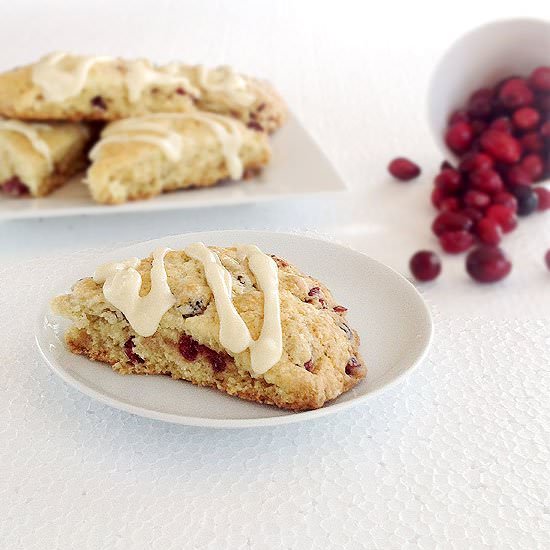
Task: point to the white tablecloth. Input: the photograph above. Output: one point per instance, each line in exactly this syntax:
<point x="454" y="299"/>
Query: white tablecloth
<point x="455" y="457"/>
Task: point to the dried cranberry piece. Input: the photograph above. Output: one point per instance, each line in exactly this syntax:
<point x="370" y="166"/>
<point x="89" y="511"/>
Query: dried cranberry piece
<point x="99" y="102"/>
<point x="308" y="365"/>
<point x="188" y="347"/>
<point x="181" y="91"/>
<point x="131" y="354"/>
<point x="353" y="367"/>
<point x="253" y="125"/>
<point x="15" y="187"/>
<point x="216" y="360"/>
<point x="339" y="309"/>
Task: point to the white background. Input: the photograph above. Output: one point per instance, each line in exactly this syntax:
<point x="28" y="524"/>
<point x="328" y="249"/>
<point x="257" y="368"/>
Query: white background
<point x="455" y="458"/>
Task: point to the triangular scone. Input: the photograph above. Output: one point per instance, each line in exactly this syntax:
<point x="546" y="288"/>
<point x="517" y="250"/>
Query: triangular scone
<point x="318" y="357"/>
<point x="68" y="87"/>
<point x="141" y="157"/>
<point x="36" y="158"/>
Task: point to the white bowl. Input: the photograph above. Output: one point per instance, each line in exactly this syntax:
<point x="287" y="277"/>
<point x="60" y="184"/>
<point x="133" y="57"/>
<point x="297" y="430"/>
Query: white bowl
<point x="481" y="58"/>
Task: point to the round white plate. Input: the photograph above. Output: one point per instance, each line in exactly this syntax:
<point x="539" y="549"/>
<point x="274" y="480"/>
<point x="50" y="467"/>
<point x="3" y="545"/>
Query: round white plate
<point x="391" y="317"/>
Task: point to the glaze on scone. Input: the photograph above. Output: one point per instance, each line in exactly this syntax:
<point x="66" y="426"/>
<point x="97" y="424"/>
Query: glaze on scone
<point x="68" y="87"/>
<point x="142" y="157"/>
<point x="319" y="358"/>
<point x="36" y="158"/>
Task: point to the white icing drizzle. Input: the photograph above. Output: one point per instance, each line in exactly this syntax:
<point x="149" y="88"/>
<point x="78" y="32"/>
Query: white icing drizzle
<point x="30" y="131"/>
<point x="122" y="283"/>
<point x="223" y="81"/>
<point x="234" y="334"/>
<point x="157" y="129"/>
<point x="59" y="83"/>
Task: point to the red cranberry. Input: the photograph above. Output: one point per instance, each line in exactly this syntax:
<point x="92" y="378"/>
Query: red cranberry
<point x="15" y="187"/>
<point x="517" y="175"/>
<point x="473" y="213"/>
<point x="489" y="231"/>
<point x="543" y="103"/>
<point x="451" y="221"/>
<point x="487" y="264"/>
<point x="403" y="169"/>
<point x="481" y="103"/>
<point x="540" y="79"/>
<point x="425" y="265"/>
<point x="476" y="199"/>
<point x="533" y="165"/>
<point x="475" y="161"/>
<point x="216" y="360"/>
<point x="449" y="204"/>
<point x="459" y="137"/>
<point x="339" y="309"/>
<point x="504" y="216"/>
<point x="486" y="180"/>
<point x="455" y="242"/>
<point x="478" y="126"/>
<point x="543" y="195"/>
<point x="547" y="259"/>
<point x="526" y="118"/>
<point x="188" y="347"/>
<point x="130" y="353"/>
<point x="545" y="129"/>
<point x="515" y="93"/>
<point x="528" y="200"/>
<point x="353" y="367"/>
<point x="446" y="165"/>
<point x="506" y="199"/>
<point x="501" y="146"/>
<point x="449" y="180"/>
<point x="459" y="115"/>
<point x="531" y="143"/>
<point x="503" y="124"/>
<point x="308" y="365"/>
<point x="437" y="197"/>
<point x="99" y="102"/>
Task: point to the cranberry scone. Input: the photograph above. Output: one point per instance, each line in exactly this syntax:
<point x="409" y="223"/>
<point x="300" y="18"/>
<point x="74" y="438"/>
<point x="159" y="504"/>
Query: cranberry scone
<point x="36" y="158"/>
<point x="62" y="86"/>
<point x="138" y="158"/>
<point x="234" y="319"/>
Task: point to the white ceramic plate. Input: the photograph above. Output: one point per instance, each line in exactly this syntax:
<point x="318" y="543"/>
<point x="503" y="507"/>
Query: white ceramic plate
<point x="391" y="317"/>
<point x="298" y="167"/>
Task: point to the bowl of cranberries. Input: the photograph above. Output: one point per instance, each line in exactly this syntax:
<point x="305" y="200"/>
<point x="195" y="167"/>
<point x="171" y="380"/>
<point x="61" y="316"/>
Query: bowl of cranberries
<point x="489" y="108"/>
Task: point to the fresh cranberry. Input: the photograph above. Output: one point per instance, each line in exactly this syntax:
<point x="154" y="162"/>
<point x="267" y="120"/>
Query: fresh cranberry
<point x="489" y="231"/>
<point x="188" y="347"/>
<point x="455" y="242"/>
<point x="425" y="265"/>
<point x="533" y="165"/>
<point x="481" y="103"/>
<point x="528" y="200"/>
<point x="505" y="217"/>
<point x="526" y="118"/>
<point x="476" y="199"/>
<point x="531" y="142"/>
<point x="517" y="175"/>
<point x="478" y="126"/>
<point x="403" y="169"/>
<point x="487" y="264"/>
<point x="449" y="204"/>
<point x="486" y="180"/>
<point x="459" y="137"/>
<point x="475" y="161"/>
<point x="515" y="93"/>
<point x="501" y="146"/>
<point x="543" y="195"/>
<point x="545" y="129"/>
<point x="130" y="353"/>
<point x="543" y="103"/>
<point x="446" y="165"/>
<point x="540" y="79"/>
<point x="437" y="196"/>
<point x="473" y="213"/>
<point x="451" y="221"/>
<point x="449" y="180"/>
<point x="459" y="115"/>
<point x="15" y="187"/>
<point x="547" y="259"/>
<point x="506" y="199"/>
<point x="503" y="124"/>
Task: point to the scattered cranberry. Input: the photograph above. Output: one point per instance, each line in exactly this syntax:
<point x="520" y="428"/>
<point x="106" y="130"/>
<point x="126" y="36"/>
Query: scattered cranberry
<point x="451" y="221"/>
<point x="477" y="199"/>
<point x="501" y="146"/>
<point x="531" y="143"/>
<point x="533" y="165"/>
<point x="528" y="200"/>
<point x="515" y="93"/>
<point x="403" y="169"/>
<point x="449" y="180"/>
<point x="449" y="204"/>
<point x="503" y="123"/>
<point x="504" y="216"/>
<point x="489" y="231"/>
<point x="547" y="259"/>
<point x="473" y="213"/>
<point x="517" y="175"/>
<point x="543" y="195"/>
<point x="459" y="137"/>
<point x="455" y="242"/>
<point x="540" y="79"/>
<point x="425" y="265"/>
<point x="506" y="199"/>
<point x="487" y="264"/>
<point x="526" y="118"/>
<point x="486" y="180"/>
<point x="475" y="161"/>
<point x="15" y="187"/>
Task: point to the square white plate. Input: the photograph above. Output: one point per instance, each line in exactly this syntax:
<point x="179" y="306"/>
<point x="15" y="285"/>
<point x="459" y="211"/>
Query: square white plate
<point x="298" y="167"/>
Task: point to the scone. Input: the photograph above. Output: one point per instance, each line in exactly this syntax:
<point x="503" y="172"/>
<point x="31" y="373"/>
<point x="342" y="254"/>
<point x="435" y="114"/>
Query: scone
<point x="36" y="158"/>
<point x="141" y="157"/>
<point x="68" y="87"/>
<point x="234" y="319"/>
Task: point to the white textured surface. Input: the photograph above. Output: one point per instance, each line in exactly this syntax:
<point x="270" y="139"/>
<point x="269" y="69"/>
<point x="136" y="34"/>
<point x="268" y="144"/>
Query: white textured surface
<point x="457" y="457"/>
